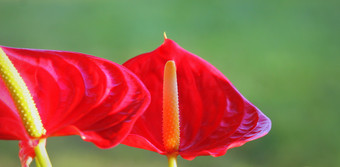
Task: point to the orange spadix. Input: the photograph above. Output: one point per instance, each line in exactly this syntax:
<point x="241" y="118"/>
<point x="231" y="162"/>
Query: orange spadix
<point x="171" y="134"/>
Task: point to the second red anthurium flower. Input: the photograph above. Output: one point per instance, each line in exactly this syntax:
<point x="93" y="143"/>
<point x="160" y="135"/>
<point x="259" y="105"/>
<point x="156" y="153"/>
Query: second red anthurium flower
<point x="194" y="110"/>
<point x="72" y="93"/>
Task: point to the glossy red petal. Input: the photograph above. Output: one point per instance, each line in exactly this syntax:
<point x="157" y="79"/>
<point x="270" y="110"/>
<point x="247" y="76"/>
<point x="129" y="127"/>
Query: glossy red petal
<point x="214" y="116"/>
<point x="11" y="127"/>
<point x="80" y="94"/>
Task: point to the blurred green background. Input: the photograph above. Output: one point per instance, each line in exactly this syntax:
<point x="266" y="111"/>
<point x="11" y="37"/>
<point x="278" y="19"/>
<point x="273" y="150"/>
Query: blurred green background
<point x="282" y="55"/>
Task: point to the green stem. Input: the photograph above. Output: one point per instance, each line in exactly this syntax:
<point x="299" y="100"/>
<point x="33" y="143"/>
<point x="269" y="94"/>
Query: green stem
<point x="42" y="159"/>
<point x="172" y="160"/>
<point x="37" y="162"/>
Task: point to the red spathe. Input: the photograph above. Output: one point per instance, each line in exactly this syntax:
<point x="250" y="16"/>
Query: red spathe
<point x="75" y="94"/>
<point x="214" y="116"/>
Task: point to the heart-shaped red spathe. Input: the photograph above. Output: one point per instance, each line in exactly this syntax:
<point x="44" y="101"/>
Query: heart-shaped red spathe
<point x="75" y="94"/>
<point x="214" y="116"/>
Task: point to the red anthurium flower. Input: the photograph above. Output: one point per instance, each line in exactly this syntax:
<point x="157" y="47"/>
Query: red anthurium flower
<point x="75" y="94"/>
<point x="210" y="115"/>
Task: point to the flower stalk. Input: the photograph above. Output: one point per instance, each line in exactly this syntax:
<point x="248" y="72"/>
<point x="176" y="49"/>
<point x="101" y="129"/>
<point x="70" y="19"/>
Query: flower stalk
<point x="172" y="160"/>
<point x="42" y="158"/>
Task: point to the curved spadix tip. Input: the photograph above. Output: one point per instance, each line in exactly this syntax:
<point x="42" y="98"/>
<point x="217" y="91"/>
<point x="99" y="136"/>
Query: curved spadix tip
<point x="165" y="37"/>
